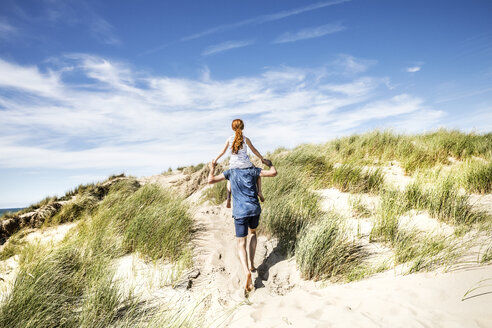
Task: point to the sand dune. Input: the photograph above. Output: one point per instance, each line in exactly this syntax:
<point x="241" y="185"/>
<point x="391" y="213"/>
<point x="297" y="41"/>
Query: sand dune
<point x="212" y="289"/>
<point x="282" y="299"/>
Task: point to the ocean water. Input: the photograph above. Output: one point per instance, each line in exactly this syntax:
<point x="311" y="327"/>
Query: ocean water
<point x="3" y="210"/>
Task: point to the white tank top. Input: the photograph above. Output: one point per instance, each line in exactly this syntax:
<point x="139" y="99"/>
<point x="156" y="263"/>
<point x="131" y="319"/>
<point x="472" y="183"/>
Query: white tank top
<point x="241" y="159"/>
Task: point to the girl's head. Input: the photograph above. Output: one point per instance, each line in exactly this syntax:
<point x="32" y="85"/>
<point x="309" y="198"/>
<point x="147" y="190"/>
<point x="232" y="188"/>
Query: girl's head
<point x="237" y="126"/>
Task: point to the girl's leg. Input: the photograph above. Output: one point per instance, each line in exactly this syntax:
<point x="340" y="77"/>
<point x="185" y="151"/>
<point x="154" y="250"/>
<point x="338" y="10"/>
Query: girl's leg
<point x="258" y="184"/>
<point x="228" y="204"/>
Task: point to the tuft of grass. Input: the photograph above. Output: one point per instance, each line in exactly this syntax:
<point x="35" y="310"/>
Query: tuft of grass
<point x="311" y="163"/>
<point x="444" y="202"/>
<point x="83" y="203"/>
<point x="424" y="251"/>
<point x="478" y="178"/>
<point x="14" y="245"/>
<point x="359" y="209"/>
<point x="191" y="169"/>
<point x="365" y="269"/>
<point x="216" y="194"/>
<point x="152" y="220"/>
<point x="51" y="289"/>
<point x="487" y="255"/>
<point x="350" y="178"/>
<point x="161" y="225"/>
<point x="391" y="206"/>
<point x="290" y="206"/>
<point x="325" y="250"/>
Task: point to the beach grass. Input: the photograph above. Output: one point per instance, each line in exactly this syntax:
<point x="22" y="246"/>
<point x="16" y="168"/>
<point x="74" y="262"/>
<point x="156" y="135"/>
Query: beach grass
<point x="216" y="194"/>
<point x="290" y="206"/>
<point x="478" y="177"/>
<point x="72" y="285"/>
<point x="391" y="206"/>
<point x="351" y="178"/>
<point x="444" y="201"/>
<point x="326" y="251"/>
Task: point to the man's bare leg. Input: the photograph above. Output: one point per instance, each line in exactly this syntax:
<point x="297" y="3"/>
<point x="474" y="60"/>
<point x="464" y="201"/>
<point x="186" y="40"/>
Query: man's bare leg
<point x="228" y="204"/>
<point x="241" y="250"/>
<point x="252" y="250"/>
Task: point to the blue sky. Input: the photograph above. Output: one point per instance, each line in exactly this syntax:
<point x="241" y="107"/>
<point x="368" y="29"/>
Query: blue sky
<point x="91" y="88"/>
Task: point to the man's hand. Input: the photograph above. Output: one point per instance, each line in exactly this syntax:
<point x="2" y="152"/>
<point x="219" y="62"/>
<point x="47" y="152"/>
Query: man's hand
<point x="211" y="177"/>
<point x="267" y="162"/>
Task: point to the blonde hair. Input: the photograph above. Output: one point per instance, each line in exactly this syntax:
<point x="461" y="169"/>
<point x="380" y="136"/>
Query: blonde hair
<point x="237" y="126"/>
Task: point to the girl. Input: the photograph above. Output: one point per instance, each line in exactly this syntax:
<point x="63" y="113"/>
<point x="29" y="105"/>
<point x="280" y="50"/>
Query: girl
<point x="238" y="144"/>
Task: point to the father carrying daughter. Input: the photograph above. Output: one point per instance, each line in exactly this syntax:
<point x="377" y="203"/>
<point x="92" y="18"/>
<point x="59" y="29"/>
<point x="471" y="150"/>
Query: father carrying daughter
<point x="238" y="144"/>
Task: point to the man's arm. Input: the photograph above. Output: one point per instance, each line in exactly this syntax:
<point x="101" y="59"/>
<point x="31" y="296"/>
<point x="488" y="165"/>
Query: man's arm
<point x="214" y="178"/>
<point x="271" y="172"/>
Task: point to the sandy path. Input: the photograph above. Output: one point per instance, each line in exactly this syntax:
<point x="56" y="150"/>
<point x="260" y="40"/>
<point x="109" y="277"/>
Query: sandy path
<point x="220" y="283"/>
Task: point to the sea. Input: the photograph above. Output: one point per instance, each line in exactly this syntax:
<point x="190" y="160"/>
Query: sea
<point x="3" y="210"/>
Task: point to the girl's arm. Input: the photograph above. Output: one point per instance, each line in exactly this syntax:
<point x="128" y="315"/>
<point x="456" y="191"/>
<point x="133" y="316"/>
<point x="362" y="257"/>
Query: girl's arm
<point x="253" y="149"/>
<point x="223" y="151"/>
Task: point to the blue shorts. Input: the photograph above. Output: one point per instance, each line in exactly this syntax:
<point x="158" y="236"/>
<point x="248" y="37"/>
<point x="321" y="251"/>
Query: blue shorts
<point x="242" y="225"/>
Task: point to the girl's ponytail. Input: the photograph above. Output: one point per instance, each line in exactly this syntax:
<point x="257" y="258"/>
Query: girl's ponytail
<point x="237" y="126"/>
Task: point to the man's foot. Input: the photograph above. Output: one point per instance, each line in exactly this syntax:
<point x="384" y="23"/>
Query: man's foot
<point x="261" y="197"/>
<point x="249" y="283"/>
<point x="252" y="268"/>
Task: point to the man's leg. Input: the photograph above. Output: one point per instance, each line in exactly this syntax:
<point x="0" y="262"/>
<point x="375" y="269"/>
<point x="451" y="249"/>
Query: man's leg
<point x="252" y="250"/>
<point x="241" y="250"/>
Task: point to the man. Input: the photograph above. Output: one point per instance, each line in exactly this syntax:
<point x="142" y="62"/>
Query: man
<point x="245" y="210"/>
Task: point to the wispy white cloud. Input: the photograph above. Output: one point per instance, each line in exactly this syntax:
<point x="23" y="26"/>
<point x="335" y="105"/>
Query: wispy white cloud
<point x="29" y="79"/>
<point x="413" y="69"/>
<point x="353" y="65"/>
<point x="310" y="33"/>
<point x="6" y="29"/>
<point x="227" y="45"/>
<point x="263" y="19"/>
<point x="103" y="31"/>
<point x="72" y="13"/>
<point x="125" y="120"/>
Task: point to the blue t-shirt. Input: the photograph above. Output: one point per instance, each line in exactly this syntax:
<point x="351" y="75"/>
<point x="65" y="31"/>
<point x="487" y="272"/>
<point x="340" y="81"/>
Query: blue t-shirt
<point x="244" y="193"/>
